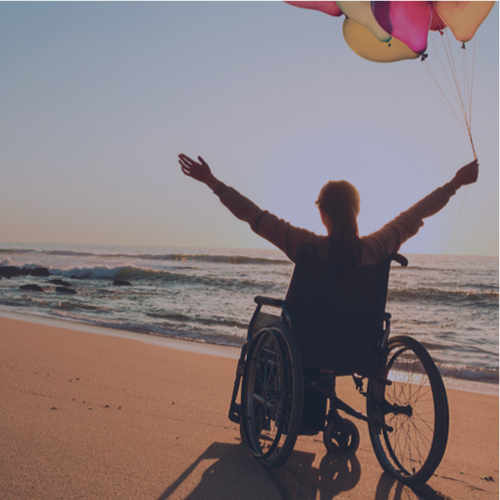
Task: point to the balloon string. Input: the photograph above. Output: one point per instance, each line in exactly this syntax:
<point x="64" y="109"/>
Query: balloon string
<point x="454" y="75"/>
<point x="463" y="111"/>
<point x="456" y="88"/>
<point x="470" y="98"/>
<point x="449" y="58"/>
<point x="463" y="99"/>
<point x="472" y="80"/>
<point x="451" y="109"/>
<point x="472" y="144"/>
<point x="466" y="96"/>
<point x="447" y="105"/>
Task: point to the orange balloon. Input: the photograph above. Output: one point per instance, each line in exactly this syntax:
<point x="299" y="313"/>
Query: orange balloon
<point x="362" y="41"/>
<point x="463" y="18"/>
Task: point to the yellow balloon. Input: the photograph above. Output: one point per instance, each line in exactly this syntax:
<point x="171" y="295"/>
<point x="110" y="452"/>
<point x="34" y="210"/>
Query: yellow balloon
<point x="463" y="18"/>
<point x="361" y="13"/>
<point x="362" y="41"/>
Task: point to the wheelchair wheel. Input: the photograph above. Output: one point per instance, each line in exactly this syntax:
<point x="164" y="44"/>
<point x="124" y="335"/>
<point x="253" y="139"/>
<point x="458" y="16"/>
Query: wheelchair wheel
<point x="409" y="415"/>
<point x="272" y="395"/>
<point x="338" y="442"/>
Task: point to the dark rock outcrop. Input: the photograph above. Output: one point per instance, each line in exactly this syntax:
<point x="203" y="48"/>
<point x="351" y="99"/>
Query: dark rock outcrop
<point x="60" y="282"/>
<point x="63" y="289"/>
<point x="39" y="271"/>
<point x="32" y="288"/>
<point x="12" y="271"/>
<point x="121" y="283"/>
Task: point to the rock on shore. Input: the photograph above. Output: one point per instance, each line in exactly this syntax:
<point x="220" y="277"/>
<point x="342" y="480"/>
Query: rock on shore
<point x="12" y="271"/>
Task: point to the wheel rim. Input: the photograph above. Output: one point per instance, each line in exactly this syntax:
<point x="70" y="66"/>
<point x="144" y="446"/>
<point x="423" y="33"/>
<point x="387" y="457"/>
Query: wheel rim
<point x="267" y="398"/>
<point x="334" y="442"/>
<point x="272" y="395"/>
<point x="415" y="407"/>
<point x="411" y="441"/>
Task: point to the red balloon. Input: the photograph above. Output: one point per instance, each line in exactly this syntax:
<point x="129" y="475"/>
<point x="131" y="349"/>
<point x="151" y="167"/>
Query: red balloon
<point x="437" y="24"/>
<point x="409" y="22"/>
<point x="330" y="8"/>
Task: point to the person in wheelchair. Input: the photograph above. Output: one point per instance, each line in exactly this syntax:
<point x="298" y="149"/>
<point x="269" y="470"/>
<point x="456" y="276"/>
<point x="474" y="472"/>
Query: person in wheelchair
<point x="321" y="294"/>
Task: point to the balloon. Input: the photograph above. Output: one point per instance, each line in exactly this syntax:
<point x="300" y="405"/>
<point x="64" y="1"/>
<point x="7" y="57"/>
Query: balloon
<point x="361" y="12"/>
<point x="437" y="24"/>
<point x="406" y="21"/>
<point x="464" y="18"/>
<point x="362" y="41"/>
<point x="330" y="8"/>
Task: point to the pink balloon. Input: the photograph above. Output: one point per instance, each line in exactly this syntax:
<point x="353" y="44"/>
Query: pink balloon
<point x="329" y="8"/>
<point x="409" y="22"/>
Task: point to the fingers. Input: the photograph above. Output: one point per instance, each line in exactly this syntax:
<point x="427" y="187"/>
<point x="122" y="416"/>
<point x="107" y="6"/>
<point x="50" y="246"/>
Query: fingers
<point x="474" y="168"/>
<point x="186" y="160"/>
<point x="185" y="167"/>
<point x="468" y="174"/>
<point x="472" y="164"/>
<point x="185" y="170"/>
<point x="198" y="170"/>
<point x="186" y="164"/>
<point x="476" y="172"/>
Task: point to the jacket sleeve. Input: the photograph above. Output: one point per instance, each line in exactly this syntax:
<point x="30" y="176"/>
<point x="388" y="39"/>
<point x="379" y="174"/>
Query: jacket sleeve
<point x="378" y="245"/>
<point x="280" y="233"/>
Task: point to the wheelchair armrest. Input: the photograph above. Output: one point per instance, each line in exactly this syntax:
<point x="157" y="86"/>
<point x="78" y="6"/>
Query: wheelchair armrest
<point x="268" y="301"/>
<point x="401" y="259"/>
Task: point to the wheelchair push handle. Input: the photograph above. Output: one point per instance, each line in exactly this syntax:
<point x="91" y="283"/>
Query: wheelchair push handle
<point x="268" y="301"/>
<point x="401" y="259"/>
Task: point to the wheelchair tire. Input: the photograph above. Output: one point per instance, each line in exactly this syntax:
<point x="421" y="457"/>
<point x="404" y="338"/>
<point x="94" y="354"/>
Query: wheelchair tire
<point x="341" y="445"/>
<point x="272" y="395"/>
<point x="415" y="407"/>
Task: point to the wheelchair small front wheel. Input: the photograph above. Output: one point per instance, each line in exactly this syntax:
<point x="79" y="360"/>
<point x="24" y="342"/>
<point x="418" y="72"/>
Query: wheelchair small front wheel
<point x="338" y="442"/>
<point x="272" y="395"/>
<point x="408" y="411"/>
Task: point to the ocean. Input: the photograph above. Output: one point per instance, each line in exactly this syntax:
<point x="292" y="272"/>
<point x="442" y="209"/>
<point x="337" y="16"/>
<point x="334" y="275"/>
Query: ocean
<point x="449" y="303"/>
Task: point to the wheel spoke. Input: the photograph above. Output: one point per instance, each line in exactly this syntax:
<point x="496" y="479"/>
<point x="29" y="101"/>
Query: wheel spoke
<point x="272" y="395"/>
<point x="416" y="410"/>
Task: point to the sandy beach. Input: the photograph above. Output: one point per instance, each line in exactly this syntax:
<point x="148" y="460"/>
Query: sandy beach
<point x="85" y="415"/>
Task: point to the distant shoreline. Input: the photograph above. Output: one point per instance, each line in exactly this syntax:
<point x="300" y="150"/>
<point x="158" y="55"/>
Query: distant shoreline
<point x="158" y="340"/>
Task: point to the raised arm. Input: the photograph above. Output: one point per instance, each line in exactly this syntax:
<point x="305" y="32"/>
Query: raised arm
<point x="432" y="204"/>
<point x="280" y="233"/>
<point x="378" y="245"/>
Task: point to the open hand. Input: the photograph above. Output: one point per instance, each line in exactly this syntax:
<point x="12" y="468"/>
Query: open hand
<point x="198" y="170"/>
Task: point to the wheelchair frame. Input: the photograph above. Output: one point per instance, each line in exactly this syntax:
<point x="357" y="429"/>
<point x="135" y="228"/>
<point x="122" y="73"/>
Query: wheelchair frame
<point x="403" y="381"/>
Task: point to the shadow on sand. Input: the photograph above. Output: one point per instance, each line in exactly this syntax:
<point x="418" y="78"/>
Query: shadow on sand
<point x="389" y="488"/>
<point x="233" y="473"/>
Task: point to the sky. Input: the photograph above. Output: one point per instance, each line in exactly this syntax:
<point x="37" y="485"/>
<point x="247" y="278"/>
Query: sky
<point x="98" y="99"/>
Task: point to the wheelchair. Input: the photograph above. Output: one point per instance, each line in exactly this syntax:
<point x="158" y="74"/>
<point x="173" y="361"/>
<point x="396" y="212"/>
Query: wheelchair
<point x="329" y="330"/>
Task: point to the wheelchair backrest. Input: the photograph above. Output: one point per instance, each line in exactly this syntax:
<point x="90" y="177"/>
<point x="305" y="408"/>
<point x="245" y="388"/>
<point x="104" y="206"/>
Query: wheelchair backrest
<point x="338" y="325"/>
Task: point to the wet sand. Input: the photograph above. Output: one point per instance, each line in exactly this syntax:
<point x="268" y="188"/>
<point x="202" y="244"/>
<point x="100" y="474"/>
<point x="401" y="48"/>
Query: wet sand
<point x="84" y="415"/>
